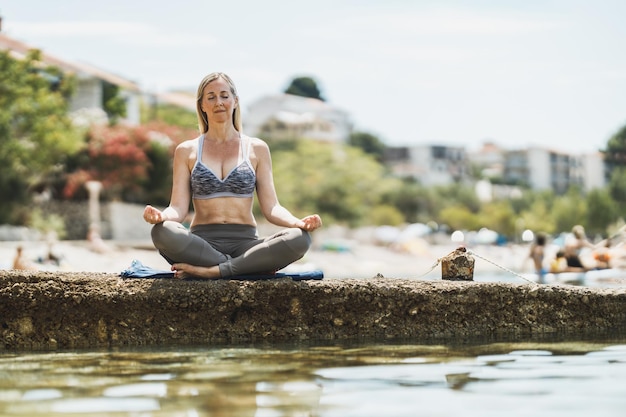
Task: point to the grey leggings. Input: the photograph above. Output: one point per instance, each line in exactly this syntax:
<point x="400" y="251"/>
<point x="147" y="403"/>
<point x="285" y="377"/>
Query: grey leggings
<point x="235" y="248"/>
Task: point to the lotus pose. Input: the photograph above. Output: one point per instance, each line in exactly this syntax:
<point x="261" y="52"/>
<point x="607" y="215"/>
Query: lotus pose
<point x="219" y="172"/>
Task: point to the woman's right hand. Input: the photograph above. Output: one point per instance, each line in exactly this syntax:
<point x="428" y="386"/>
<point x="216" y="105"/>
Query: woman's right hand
<point x="153" y="215"/>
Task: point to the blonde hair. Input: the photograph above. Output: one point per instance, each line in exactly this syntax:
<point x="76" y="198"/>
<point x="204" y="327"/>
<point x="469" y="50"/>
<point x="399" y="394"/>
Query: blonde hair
<point x="578" y="231"/>
<point x="203" y="123"/>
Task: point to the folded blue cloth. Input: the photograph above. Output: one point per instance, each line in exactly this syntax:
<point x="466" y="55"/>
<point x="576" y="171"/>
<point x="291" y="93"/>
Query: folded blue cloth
<point x="139" y="270"/>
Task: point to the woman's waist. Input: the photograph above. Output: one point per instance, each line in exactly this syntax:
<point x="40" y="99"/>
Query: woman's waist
<point x="225" y="211"/>
<point x="224" y="231"/>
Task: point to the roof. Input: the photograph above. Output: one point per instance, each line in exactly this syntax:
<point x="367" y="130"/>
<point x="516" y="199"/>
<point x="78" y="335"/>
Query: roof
<point x="20" y="49"/>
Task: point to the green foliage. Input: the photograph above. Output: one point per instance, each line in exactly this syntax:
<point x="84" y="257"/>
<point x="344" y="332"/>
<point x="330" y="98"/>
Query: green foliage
<point x="304" y="87"/>
<point x="499" y="216"/>
<point x="47" y="224"/>
<point x="569" y="209"/>
<point x="36" y="136"/>
<point x="617" y="187"/>
<point x="615" y="152"/>
<point x="447" y="195"/>
<point x="409" y="198"/>
<point x="341" y="183"/>
<point x="385" y="214"/>
<point x="369" y="143"/>
<point x="537" y="217"/>
<point x="158" y="183"/>
<point x="615" y="156"/>
<point x="115" y="156"/>
<point x="459" y="217"/>
<point x="134" y="164"/>
<point x="112" y="102"/>
<point x="169" y="115"/>
<point x="602" y="210"/>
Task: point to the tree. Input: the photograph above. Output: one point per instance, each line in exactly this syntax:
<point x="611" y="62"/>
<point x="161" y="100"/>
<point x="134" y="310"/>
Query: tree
<point x="115" y="156"/>
<point x="459" y="217"/>
<point x="36" y="135"/>
<point x="569" y="210"/>
<point x="498" y="216"/>
<point x="339" y="182"/>
<point x="369" y="143"/>
<point x="112" y="102"/>
<point x="304" y="87"/>
<point x="615" y="152"/>
<point x="601" y="211"/>
<point x="615" y="157"/>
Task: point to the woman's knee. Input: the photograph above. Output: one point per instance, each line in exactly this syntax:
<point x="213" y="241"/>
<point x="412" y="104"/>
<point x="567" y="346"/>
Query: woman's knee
<point x="165" y="233"/>
<point x="300" y="241"/>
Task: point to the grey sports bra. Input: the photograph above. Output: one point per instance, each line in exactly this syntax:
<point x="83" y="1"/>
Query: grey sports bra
<point x="240" y="181"/>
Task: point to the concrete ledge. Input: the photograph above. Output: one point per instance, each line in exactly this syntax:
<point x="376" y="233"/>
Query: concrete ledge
<point x="40" y="310"/>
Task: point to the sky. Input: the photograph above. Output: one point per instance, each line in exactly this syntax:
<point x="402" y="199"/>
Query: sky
<point x="518" y="73"/>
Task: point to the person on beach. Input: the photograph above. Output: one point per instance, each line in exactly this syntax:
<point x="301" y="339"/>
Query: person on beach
<point x="20" y="262"/>
<point x="574" y="246"/>
<point x="537" y="252"/>
<point x="219" y="172"/>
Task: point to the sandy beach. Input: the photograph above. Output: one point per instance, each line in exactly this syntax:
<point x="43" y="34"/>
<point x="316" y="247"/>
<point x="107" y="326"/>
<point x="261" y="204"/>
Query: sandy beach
<point x="354" y="260"/>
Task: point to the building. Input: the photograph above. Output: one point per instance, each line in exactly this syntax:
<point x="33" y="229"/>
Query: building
<point x="544" y="169"/>
<point x="429" y="164"/>
<point x="286" y="116"/>
<point x="91" y="81"/>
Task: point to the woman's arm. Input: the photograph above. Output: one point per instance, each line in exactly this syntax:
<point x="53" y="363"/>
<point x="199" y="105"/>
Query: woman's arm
<point x="181" y="192"/>
<point x="268" y="199"/>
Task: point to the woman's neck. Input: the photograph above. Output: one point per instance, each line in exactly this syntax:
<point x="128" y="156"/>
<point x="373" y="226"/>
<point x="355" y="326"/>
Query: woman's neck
<point x="221" y="132"/>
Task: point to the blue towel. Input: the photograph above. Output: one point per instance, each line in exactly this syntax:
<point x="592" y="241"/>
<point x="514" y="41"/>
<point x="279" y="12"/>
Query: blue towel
<point x="139" y="270"/>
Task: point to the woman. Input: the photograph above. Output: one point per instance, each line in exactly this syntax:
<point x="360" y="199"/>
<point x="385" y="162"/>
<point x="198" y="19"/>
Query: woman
<point x="218" y="172"/>
<point x="574" y="246"/>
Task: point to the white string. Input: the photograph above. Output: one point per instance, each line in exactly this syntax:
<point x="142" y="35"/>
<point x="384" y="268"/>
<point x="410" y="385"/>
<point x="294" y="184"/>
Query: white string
<point x="471" y="252"/>
<point x="431" y="268"/>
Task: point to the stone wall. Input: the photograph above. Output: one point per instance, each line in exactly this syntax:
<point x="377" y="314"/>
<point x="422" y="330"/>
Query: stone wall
<point x="119" y="221"/>
<point x="69" y="310"/>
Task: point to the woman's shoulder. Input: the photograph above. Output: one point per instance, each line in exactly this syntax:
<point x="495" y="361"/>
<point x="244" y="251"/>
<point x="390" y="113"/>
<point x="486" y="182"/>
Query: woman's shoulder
<point x="257" y="143"/>
<point x="188" y="144"/>
<point x="254" y="140"/>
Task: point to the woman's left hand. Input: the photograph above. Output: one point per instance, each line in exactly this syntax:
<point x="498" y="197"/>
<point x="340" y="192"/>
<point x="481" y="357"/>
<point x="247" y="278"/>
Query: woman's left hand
<point x="310" y="223"/>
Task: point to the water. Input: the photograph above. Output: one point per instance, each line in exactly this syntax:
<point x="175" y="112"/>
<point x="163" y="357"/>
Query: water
<point x="541" y="378"/>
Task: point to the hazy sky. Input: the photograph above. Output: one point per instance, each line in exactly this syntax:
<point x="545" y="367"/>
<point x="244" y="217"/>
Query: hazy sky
<point x="527" y="72"/>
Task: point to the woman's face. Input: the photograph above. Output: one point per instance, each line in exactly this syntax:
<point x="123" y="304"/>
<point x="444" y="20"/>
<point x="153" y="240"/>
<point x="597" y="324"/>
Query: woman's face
<point x="218" y="102"/>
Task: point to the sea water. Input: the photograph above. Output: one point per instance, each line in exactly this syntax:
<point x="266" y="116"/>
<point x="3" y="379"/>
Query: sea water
<point x="572" y="378"/>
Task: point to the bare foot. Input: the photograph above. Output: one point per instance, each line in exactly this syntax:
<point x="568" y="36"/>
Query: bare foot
<point x="183" y="271"/>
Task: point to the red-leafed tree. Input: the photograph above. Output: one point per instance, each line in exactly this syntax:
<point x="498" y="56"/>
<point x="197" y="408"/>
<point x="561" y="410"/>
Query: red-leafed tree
<point x="133" y="163"/>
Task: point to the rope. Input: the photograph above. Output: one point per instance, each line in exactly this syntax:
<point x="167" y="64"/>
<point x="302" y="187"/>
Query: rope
<point x="431" y="268"/>
<point x="471" y="252"/>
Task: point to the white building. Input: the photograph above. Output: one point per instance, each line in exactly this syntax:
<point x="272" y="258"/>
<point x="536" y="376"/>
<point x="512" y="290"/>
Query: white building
<point x="91" y="81"/>
<point x="544" y="169"/>
<point x="429" y="164"/>
<point x="290" y="116"/>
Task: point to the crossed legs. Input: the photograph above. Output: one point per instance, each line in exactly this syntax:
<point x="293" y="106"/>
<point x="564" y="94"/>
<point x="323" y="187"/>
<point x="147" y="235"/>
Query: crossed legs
<point x="222" y="251"/>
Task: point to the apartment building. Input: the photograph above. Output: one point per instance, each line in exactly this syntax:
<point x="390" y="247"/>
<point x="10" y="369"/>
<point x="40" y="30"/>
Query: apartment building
<point x="534" y="167"/>
<point x="429" y="164"/>
<point x="545" y="169"/>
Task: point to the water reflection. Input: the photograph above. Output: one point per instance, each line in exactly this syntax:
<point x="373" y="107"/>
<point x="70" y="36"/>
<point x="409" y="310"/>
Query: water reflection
<point x="401" y="379"/>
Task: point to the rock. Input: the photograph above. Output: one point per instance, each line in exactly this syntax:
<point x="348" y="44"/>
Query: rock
<point x="105" y="310"/>
<point x="458" y="266"/>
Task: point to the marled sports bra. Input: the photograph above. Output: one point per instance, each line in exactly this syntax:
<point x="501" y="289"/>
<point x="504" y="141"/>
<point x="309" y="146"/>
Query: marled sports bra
<point x="240" y="182"/>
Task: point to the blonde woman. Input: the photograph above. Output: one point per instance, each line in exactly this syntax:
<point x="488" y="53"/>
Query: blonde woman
<point x="218" y="173"/>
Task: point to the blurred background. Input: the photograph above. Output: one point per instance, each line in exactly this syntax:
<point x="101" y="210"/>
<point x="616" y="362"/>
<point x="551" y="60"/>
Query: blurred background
<point x="410" y="118"/>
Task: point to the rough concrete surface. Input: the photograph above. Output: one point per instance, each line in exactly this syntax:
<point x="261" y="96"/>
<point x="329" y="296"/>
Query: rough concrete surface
<point x="57" y="310"/>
